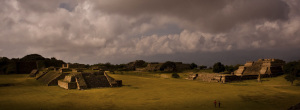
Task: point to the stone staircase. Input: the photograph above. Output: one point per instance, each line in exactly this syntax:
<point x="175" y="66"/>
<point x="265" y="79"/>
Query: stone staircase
<point x="41" y="74"/>
<point x="49" y="77"/>
<point x="33" y="73"/>
<point x="93" y="81"/>
<point x="80" y="82"/>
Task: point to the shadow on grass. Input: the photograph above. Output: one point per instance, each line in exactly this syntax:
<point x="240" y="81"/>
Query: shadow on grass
<point x="298" y="84"/>
<point x="130" y="86"/>
<point x="7" y="85"/>
<point x="240" y="84"/>
<point x="263" y="80"/>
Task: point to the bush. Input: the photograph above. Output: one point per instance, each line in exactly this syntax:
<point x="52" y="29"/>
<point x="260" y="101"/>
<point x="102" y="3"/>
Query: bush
<point x="175" y="75"/>
<point x="193" y="66"/>
<point x="218" y="67"/>
<point x="229" y="68"/>
<point x="168" y="66"/>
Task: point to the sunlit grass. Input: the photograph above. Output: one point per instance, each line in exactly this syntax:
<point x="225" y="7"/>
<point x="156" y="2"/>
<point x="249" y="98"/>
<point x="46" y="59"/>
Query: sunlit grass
<point x="150" y="93"/>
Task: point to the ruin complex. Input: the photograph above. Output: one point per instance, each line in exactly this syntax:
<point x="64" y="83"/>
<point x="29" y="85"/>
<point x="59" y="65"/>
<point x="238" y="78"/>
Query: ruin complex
<point x="251" y="70"/>
<point x="266" y="67"/>
<point x="74" y="78"/>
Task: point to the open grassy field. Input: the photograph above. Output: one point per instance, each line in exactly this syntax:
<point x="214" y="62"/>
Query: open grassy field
<point x="149" y="93"/>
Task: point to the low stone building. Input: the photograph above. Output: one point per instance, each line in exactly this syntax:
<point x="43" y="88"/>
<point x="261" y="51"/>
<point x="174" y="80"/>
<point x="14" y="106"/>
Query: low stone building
<point x="251" y="70"/>
<point x="265" y="67"/>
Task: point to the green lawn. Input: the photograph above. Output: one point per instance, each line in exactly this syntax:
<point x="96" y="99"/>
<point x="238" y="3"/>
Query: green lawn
<point x="150" y="93"/>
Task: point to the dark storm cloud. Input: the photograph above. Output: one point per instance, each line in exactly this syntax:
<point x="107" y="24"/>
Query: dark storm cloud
<point x="43" y="6"/>
<point x="212" y="16"/>
<point x="119" y="31"/>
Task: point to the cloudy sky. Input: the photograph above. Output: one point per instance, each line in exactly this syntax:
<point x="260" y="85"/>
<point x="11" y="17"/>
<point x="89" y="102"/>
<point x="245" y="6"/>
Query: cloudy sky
<point x="120" y="31"/>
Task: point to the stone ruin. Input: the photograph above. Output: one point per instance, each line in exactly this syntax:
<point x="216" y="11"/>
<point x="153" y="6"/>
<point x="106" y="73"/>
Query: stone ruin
<point x="88" y="80"/>
<point x="265" y="67"/>
<point x="74" y="78"/>
<point x="251" y="70"/>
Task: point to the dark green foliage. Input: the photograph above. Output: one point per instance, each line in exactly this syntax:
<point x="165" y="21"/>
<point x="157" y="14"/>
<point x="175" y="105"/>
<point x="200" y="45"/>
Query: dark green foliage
<point x="229" y="68"/>
<point x="32" y="57"/>
<point x="292" y="69"/>
<point x="168" y="66"/>
<point x="110" y="67"/>
<point x="202" y="67"/>
<point x="4" y="61"/>
<point x="53" y="62"/>
<point x="140" y="63"/>
<point x="27" y="63"/>
<point x="11" y="68"/>
<point x="77" y="65"/>
<point x="136" y="64"/>
<point x="175" y="75"/>
<point x="291" y="78"/>
<point x="40" y="64"/>
<point x="218" y="67"/>
<point x="193" y="66"/>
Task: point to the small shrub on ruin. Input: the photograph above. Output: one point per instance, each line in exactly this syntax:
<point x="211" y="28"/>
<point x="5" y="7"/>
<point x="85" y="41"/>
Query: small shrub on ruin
<point x="175" y="75"/>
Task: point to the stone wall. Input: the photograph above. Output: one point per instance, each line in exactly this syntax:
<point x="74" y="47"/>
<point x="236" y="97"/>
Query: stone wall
<point x="213" y="77"/>
<point x="67" y="85"/>
<point x="80" y="82"/>
<point x="249" y="63"/>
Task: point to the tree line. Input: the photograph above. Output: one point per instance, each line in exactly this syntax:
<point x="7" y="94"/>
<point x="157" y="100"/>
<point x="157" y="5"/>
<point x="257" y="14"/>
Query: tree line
<point x="11" y="66"/>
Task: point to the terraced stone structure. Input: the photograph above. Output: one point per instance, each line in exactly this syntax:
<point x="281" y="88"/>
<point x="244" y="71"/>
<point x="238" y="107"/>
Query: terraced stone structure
<point x="71" y="79"/>
<point x="265" y="67"/>
<point x="251" y="70"/>
<point x="83" y="80"/>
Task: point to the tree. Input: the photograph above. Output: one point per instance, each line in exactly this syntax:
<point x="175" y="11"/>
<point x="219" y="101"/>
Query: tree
<point x="140" y="63"/>
<point x="218" y="67"/>
<point x="168" y="66"/>
<point x="291" y="78"/>
<point x="292" y="69"/>
<point x="229" y="68"/>
<point x="32" y="57"/>
<point x="202" y="67"/>
<point x="193" y="65"/>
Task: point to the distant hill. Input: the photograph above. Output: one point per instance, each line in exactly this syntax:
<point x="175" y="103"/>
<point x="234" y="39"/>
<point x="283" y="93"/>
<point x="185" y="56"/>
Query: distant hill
<point x="27" y="63"/>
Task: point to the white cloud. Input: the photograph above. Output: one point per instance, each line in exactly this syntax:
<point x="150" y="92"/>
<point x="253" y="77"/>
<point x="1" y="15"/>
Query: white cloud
<point x="79" y="32"/>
